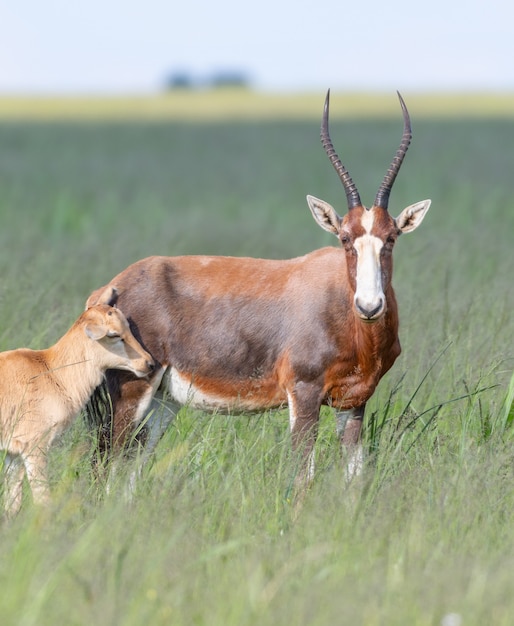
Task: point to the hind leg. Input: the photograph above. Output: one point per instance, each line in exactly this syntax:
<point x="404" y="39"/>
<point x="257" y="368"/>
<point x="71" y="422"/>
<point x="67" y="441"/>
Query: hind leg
<point x="138" y="413"/>
<point x="161" y="412"/>
<point x="131" y="399"/>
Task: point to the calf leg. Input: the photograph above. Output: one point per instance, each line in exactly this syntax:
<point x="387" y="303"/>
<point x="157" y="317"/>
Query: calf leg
<point x="13" y="485"/>
<point x="348" y="427"/>
<point x="36" y="466"/>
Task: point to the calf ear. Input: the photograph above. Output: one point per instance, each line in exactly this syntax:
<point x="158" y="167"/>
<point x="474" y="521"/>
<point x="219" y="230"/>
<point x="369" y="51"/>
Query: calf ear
<point x="325" y="215"/>
<point x="412" y="216"/>
<point x="94" y="331"/>
<point x="108" y="296"/>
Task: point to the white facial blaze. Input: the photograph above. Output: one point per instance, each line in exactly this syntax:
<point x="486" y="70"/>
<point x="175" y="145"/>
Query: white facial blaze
<point x="369" y="296"/>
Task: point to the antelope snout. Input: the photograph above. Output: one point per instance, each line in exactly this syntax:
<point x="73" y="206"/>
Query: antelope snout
<point x="370" y="311"/>
<point x="144" y="367"/>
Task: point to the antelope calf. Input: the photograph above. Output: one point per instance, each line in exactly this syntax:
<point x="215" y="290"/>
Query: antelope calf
<point x="42" y="390"/>
<point x="244" y="334"/>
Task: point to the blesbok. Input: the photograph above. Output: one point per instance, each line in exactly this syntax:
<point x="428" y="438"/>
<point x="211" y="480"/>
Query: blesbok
<point x="42" y="390"/>
<point x="245" y="334"/>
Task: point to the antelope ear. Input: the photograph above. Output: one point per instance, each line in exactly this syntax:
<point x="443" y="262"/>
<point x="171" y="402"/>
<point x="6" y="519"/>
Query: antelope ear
<point x="108" y="296"/>
<point x="412" y="216"/>
<point x="94" y="331"/>
<point x="325" y="215"/>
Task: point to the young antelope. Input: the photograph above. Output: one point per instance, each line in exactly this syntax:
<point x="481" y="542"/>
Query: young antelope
<point x="42" y="390"/>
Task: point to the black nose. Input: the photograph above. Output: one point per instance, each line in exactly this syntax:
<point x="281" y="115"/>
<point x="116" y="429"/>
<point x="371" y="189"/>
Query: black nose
<point x="367" y="312"/>
<point x="150" y="365"/>
<point x="370" y="313"/>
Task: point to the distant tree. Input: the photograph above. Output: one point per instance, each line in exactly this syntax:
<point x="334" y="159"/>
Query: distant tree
<point x="223" y="78"/>
<point x="229" y="78"/>
<point x="179" y="80"/>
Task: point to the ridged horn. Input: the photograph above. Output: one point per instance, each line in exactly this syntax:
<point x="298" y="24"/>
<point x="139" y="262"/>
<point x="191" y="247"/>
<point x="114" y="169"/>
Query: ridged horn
<point x="382" y="199"/>
<point x="352" y="195"/>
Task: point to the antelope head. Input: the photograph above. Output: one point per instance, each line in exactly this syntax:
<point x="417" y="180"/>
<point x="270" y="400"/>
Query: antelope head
<point x="368" y="235"/>
<point x="112" y="341"/>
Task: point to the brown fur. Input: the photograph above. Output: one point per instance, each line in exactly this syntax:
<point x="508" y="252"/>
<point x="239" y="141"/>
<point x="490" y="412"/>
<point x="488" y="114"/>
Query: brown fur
<point x="249" y="331"/>
<point x="252" y="334"/>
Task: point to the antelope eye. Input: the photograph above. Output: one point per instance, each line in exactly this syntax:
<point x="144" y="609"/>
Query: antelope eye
<point x="345" y="239"/>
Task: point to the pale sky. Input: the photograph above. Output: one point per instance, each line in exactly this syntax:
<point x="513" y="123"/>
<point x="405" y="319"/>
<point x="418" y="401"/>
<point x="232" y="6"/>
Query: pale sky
<point x="128" y="46"/>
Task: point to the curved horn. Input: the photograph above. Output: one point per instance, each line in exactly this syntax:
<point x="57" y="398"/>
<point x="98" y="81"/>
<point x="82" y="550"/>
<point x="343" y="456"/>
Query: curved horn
<point x="382" y="199"/>
<point x="352" y="195"/>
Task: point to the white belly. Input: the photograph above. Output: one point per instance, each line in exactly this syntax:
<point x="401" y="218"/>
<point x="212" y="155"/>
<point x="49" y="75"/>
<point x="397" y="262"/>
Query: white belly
<point x="183" y="391"/>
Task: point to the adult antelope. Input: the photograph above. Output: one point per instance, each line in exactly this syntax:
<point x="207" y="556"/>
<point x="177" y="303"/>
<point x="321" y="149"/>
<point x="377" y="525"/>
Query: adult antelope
<point x="42" y="390"/>
<point x="244" y="334"/>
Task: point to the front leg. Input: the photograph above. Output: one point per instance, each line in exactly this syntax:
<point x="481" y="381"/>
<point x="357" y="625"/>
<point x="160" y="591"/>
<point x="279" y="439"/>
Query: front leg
<point x="304" y="406"/>
<point x="348" y="428"/>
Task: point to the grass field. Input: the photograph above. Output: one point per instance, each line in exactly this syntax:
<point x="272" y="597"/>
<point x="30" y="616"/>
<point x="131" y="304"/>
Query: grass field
<point x="245" y="104"/>
<point x="425" y="537"/>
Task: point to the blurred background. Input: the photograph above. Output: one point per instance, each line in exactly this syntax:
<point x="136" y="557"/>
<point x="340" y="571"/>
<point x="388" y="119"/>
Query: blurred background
<point x="128" y="47"/>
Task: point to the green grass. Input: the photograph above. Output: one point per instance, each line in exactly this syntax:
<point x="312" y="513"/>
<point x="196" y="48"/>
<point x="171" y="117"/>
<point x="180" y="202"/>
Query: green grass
<point x="210" y="537"/>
